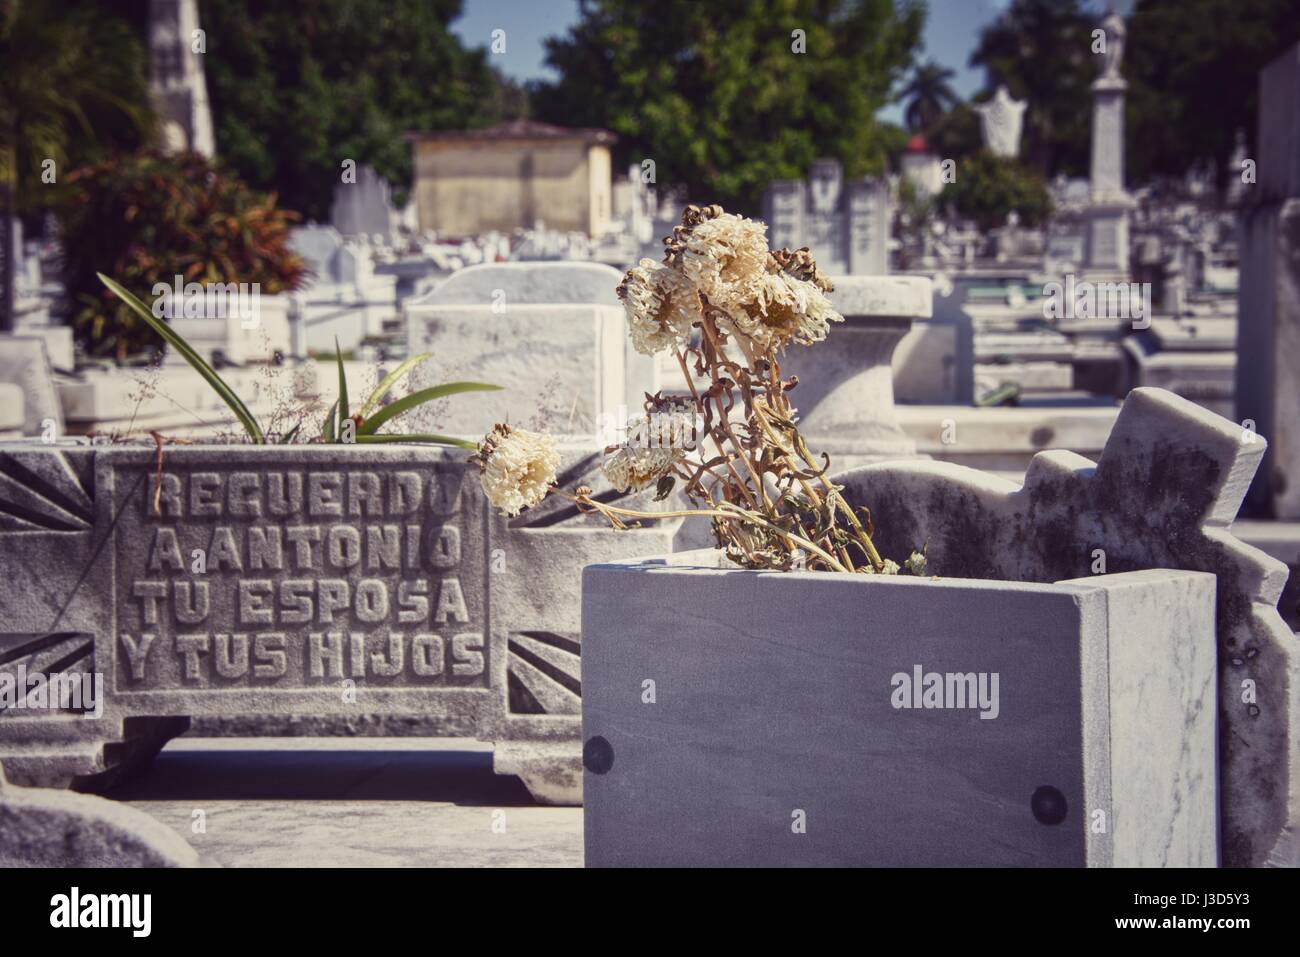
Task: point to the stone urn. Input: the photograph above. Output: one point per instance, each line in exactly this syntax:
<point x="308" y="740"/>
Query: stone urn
<point x="845" y="395"/>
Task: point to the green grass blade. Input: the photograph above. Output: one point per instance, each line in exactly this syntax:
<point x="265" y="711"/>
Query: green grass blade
<point x="327" y="430"/>
<point x="406" y="403"/>
<point x="420" y="437"/>
<point x="391" y="380"/>
<point x="288" y="437"/>
<point x="344" y="415"/>
<point x="196" y="361"/>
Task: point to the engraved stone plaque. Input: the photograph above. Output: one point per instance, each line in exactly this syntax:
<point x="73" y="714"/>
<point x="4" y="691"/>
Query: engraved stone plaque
<point x="299" y="575"/>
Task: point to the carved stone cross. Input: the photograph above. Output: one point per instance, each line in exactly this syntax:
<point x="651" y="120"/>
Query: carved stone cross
<point x="1163" y="495"/>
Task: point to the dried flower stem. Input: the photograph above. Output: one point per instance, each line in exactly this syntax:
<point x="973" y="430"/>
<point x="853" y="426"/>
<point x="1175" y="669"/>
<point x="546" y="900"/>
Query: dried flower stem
<point x="724" y="510"/>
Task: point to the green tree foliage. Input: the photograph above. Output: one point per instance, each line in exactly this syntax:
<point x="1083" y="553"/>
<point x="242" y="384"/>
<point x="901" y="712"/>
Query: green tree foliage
<point x="929" y="96"/>
<point x="1193" y="71"/>
<point x="1041" y="50"/>
<point x="297" y="88"/>
<point x="143" y="219"/>
<point x="715" y="94"/>
<point x="957" y="134"/>
<point x="73" y="86"/>
<point x="989" y="188"/>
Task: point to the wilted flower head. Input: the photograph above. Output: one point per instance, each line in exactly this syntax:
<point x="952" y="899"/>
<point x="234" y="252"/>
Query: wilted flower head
<point x="517" y="467"/>
<point x="784" y="309"/>
<point x="800" y="264"/>
<point x="661" y="306"/>
<point x="655" y="443"/>
<point x="726" y="257"/>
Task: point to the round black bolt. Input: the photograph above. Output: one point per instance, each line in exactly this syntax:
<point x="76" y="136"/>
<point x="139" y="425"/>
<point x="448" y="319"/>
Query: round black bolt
<point x="1048" y="805"/>
<point x="597" y="755"/>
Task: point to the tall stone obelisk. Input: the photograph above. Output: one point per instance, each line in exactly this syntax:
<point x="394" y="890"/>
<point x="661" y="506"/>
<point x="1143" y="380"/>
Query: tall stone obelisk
<point x="1107" y="212"/>
<point x="176" y="76"/>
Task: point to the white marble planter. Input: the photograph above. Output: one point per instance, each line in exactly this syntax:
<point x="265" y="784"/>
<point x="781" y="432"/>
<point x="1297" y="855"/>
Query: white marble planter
<point x="733" y="717"/>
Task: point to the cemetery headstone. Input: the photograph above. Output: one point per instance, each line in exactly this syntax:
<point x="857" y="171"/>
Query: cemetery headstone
<point x="1268" y="323"/>
<point x="1163" y="495"/>
<point x="311" y="580"/>
<point x="364" y="208"/>
<point x="780" y="738"/>
<point x="844" y="224"/>
<point x="344" y="299"/>
<point x="845" y="395"/>
<point x="553" y="334"/>
<point x="24" y="362"/>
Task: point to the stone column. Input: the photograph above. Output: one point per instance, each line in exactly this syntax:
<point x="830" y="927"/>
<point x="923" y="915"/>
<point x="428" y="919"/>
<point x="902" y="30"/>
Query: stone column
<point x="845" y="396"/>
<point x="1268" y="292"/>
<point x="1107" y="213"/>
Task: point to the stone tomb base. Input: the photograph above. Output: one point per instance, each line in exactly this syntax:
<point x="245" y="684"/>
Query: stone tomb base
<point x="261" y="580"/>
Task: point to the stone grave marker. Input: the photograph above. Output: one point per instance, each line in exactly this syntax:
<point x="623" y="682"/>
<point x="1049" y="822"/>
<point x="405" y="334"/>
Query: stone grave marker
<point x="364" y="208"/>
<point x="553" y="334"/>
<point x="24" y="362"/>
<point x="1268" y="323"/>
<point x="313" y="580"/>
<point x="779" y="737"/>
<point x="844" y="224"/>
<point x="1164" y="494"/>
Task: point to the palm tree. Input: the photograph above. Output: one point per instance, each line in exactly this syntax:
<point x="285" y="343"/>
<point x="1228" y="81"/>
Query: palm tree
<point x="74" y="85"/>
<point x="929" y="96"/>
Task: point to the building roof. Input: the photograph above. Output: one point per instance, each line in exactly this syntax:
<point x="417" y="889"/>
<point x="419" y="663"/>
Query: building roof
<point x="518" y="130"/>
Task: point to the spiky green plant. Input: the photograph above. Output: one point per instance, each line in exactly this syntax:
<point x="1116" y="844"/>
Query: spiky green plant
<point x="340" y="425"/>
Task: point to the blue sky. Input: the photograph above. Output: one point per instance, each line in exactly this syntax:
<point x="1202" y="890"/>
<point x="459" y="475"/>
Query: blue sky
<point x="951" y="31"/>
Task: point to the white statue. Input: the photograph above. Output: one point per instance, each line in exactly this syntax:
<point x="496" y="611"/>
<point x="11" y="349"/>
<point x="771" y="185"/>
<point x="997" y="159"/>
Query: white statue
<point x="1001" y="119"/>
<point x="1113" y="53"/>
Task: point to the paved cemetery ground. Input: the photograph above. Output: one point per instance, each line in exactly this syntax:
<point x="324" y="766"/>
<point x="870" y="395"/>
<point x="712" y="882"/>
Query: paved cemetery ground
<point x="351" y="802"/>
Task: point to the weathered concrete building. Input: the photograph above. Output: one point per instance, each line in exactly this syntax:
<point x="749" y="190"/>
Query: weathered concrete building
<point x="512" y="176"/>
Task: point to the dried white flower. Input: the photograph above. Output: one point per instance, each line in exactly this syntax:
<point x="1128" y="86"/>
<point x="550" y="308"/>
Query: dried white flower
<point x="630" y="470"/>
<point x="661" y="306"/>
<point x="517" y="467"/>
<point x="727" y="258"/>
<point x="655" y="443"/>
<point x="784" y="309"/>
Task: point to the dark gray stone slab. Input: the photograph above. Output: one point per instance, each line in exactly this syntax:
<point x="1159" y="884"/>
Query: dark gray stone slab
<point x="1279" y="127"/>
<point x="1268" y="350"/>
<point x="737" y="718"/>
